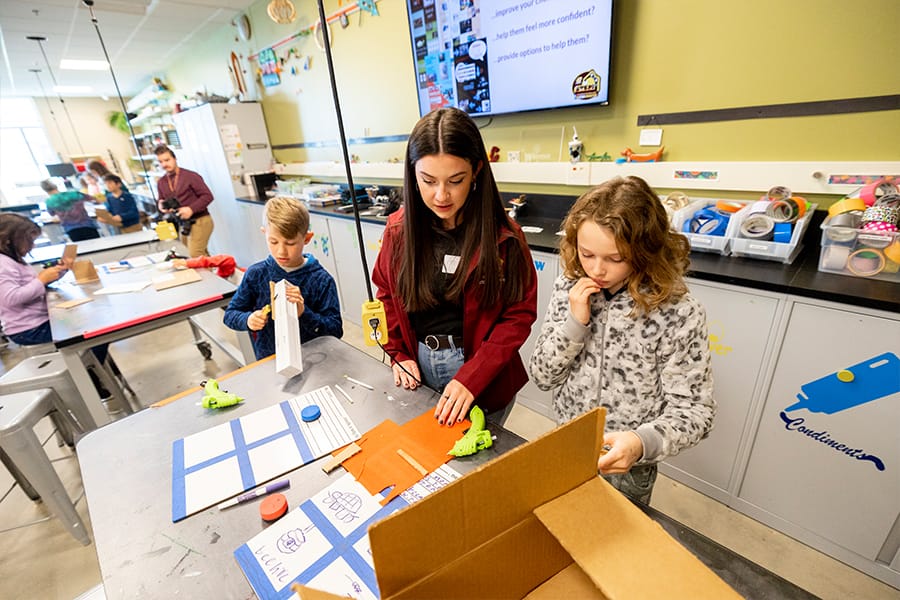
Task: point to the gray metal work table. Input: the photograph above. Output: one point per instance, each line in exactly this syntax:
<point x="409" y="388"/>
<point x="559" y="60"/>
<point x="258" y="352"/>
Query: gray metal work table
<point x="127" y="472"/>
<point x="106" y="248"/>
<point x="111" y="317"/>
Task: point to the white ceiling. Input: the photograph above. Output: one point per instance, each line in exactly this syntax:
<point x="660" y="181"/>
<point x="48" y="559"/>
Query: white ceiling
<point x="142" y="38"/>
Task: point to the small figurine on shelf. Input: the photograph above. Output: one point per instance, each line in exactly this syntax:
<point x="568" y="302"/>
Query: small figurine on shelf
<point x="576" y="147"/>
<point x="630" y="156"/>
<point x="494" y="154"/>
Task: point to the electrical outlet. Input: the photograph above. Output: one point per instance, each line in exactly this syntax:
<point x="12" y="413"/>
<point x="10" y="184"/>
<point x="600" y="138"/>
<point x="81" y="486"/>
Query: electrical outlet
<point x="513" y="156"/>
<point x="374" y="323"/>
<point x="578" y="174"/>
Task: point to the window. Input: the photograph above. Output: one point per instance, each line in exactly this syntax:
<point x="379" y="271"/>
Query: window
<point x="24" y="150"/>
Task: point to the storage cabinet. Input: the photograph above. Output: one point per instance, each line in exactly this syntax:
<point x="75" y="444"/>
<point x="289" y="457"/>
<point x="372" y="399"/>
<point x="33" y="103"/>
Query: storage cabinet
<point x="350" y="276"/>
<point x="547" y="267"/>
<point x="825" y="461"/>
<point x="742" y="329"/>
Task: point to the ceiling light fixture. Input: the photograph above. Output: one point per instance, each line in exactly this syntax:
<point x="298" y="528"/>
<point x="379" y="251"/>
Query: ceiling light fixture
<point x="90" y="6"/>
<point x="40" y="42"/>
<point x="72" y="64"/>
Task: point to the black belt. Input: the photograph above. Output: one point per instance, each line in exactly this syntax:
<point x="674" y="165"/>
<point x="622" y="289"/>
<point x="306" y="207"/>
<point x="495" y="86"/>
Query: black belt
<point x="442" y="342"/>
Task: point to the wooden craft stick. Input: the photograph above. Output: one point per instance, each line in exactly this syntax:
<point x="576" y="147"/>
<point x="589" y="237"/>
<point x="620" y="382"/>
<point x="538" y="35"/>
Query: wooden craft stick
<point x="272" y="298"/>
<point x="343" y="455"/>
<point x="412" y="462"/>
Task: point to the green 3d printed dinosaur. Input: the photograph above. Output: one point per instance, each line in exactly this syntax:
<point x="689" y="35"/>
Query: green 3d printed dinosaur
<point x="476" y="438"/>
<point x="213" y="397"/>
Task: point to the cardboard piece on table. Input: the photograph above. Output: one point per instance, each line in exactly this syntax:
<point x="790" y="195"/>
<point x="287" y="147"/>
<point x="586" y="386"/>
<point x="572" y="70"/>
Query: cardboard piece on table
<point x="288" y="356"/>
<point x="70" y="253"/>
<point x="73" y="303"/>
<point x="104" y="215"/>
<point x="530" y="523"/>
<point x="380" y="464"/>
<point x="340" y="457"/>
<point x="84" y="271"/>
<point x="176" y="278"/>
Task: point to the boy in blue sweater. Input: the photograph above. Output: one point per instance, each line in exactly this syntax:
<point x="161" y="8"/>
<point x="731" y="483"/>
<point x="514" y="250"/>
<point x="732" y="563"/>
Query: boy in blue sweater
<point x="310" y="286"/>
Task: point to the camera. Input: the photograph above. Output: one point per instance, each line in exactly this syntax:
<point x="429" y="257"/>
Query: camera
<point x="182" y="225"/>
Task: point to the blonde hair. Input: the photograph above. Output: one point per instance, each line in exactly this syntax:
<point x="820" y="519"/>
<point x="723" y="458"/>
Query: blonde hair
<point x="288" y="216"/>
<point x="658" y="255"/>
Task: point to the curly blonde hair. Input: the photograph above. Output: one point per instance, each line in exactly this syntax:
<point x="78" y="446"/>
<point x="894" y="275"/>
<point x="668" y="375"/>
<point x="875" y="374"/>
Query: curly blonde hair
<point x="658" y="255"/>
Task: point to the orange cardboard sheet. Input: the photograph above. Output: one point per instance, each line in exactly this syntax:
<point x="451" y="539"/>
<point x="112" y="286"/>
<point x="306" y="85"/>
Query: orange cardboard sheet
<point x="379" y="465"/>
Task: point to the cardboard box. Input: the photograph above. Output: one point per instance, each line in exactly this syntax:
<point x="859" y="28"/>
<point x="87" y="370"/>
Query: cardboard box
<point x="535" y="523"/>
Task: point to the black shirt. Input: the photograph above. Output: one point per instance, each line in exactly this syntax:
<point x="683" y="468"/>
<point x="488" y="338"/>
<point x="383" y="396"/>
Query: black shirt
<point x="446" y="318"/>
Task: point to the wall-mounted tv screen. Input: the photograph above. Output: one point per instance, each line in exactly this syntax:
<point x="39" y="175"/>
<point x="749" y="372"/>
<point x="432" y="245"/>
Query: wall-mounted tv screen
<point x="489" y="57"/>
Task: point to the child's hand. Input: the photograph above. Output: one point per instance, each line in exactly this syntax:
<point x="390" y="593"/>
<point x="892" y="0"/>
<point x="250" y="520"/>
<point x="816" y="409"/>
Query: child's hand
<point x="580" y="299"/>
<point x="293" y="295"/>
<point x="257" y="320"/>
<point x="51" y="274"/>
<point x="626" y="448"/>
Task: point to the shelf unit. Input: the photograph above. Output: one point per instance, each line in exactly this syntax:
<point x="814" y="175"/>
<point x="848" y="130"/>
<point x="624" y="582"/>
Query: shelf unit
<point x="153" y="125"/>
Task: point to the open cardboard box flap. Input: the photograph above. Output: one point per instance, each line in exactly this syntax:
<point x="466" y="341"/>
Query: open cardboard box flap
<point x="536" y="522"/>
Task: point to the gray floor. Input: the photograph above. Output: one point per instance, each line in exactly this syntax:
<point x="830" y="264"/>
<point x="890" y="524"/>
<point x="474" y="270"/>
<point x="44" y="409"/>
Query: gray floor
<point x="43" y="561"/>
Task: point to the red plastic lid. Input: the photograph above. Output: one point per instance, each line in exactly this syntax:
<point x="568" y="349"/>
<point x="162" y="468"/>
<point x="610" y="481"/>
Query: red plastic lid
<point x="273" y="507"/>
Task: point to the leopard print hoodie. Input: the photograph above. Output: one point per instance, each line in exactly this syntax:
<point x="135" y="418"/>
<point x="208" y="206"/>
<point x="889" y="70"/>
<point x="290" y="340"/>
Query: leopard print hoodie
<point x="652" y="374"/>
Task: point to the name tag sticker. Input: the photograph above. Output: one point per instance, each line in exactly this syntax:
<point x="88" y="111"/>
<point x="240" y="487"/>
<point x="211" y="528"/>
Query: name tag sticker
<point x="450" y="263"/>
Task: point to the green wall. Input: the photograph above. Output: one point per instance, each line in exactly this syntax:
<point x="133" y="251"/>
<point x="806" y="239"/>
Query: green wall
<point x="668" y="57"/>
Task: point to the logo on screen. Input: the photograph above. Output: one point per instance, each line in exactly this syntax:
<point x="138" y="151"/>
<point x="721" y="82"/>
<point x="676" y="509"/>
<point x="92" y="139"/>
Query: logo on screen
<point x="586" y="85"/>
<point x="868" y="381"/>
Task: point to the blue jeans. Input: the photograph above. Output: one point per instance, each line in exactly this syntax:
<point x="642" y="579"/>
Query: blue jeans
<point x="439" y="366"/>
<point x="42" y="335"/>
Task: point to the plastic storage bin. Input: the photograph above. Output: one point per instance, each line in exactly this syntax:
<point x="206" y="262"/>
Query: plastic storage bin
<point x="784" y="252"/>
<point x="860" y="253"/>
<point x="700" y="241"/>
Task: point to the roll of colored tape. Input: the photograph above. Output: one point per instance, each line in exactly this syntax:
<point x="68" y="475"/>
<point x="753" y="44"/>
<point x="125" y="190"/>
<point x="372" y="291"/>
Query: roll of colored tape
<point x="759" y="207"/>
<point x="782" y="211"/>
<point x="881" y="213"/>
<point x="893" y="251"/>
<point x="866" y="262"/>
<point x="872" y="192"/>
<point x="778" y="192"/>
<point x="852" y="219"/>
<point x="707" y="221"/>
<point x="757" y="227"/>
<point x="801" y="203"/>
<point x="676" y="200"/>
<point x="729" y="206"/>
<point x="782" y="233"/>
<point x="846" y="205"/>
<point x="879" y="226"/>
<point x="889" y="200"/>
<point x="834" y="258"/>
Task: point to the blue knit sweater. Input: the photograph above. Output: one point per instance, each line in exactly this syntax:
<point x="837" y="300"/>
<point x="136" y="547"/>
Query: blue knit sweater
<point x="322" y="310"/>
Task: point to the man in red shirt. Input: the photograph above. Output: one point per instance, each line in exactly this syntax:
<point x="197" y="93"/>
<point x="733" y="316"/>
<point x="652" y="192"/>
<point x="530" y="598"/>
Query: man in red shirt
<point x="193" y="197"/>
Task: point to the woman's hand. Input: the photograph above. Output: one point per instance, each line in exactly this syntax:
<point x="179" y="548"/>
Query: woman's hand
<point x="294" y="296"/>
<point x="625" y="449"/>
<point x="580" y="299"/>
<point x="257" y="320"/>
<point x="401" y="378"/>
<point x="454" y="403"/>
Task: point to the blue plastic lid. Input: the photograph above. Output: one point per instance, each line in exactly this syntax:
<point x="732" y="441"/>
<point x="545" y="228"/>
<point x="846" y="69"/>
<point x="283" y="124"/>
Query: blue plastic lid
<point x="310" y="413"/>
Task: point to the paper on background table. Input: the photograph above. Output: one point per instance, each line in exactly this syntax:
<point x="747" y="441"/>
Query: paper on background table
<point x="122" y="288"/>
<point x="323" y="542"/>
<point x="139" y="261"/>
<point x="73" y="303"/>
<point x="218" y="463"/>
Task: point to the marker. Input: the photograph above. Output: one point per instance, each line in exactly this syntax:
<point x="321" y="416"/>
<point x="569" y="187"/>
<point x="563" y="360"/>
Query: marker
<point x="359" y="383"/>
<point x="346" y="395"/>
<point x="252" y="495"/>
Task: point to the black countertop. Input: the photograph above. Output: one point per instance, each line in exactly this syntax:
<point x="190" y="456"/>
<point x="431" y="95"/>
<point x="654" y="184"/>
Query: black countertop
<point x="801" y="278"/>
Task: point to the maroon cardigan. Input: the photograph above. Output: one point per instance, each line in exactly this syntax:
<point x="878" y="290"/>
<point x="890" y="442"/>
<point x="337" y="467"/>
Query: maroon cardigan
<point x="191" y="191"/>
<point x="493" y="370"/>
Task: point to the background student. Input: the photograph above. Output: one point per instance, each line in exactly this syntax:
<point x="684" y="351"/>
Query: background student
<point x="68" y="207"/>
<point x="622" y="331"/>
<point x="193" y="197"/>
<point x="455" y="274"/>
<point x="121" y="205"/>
<point x="310" y="286"/>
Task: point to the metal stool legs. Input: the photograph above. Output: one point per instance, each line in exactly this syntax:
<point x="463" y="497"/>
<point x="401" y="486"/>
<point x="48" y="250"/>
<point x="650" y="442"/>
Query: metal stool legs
<point x="20" y="414"/>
